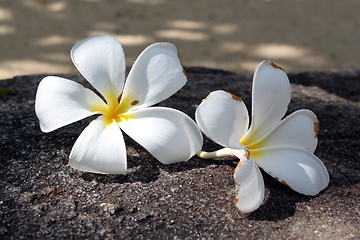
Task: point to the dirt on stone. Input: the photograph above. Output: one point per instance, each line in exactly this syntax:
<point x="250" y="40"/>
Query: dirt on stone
<point x="43" y="198"/>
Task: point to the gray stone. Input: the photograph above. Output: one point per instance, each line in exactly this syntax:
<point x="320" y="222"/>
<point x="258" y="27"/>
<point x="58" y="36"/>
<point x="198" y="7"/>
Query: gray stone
<point x="41" y="197"/>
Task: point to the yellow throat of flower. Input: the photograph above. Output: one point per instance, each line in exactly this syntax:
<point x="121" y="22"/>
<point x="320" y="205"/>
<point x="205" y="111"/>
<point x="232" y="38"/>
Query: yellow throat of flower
<point x="116" y="108"/>
<point x="254" y="147"/>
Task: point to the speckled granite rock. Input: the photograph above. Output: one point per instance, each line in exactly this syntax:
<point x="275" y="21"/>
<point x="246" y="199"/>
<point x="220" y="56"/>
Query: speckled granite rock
<point x="41" y="197"/>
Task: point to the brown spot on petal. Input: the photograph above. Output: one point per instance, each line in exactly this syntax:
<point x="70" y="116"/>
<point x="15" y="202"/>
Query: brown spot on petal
<point x="119" y="98"/>
<point x="182" y="64"/>
<point x="133" y="103"/>
<point x="92" y="121"/>
<point x="283" y="182"/>
<point x="237" y="167"/>
<point x="236" y="98"/>
<point x="247" y="154"/>
<point x="185" y="73"/>
<point x="276" y="66"/>
<point x="206" y="97"/>
<point x="316" y="128"/>
<point x="236" y="200"/>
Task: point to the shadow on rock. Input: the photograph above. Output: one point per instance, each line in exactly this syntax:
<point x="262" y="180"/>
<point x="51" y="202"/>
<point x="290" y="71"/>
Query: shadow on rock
<point x="329" y="81"/>
<point x="144" y="174"/>
<point x="279" y="204"/>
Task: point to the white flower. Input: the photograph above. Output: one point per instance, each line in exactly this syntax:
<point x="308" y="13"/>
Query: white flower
<point x="169" y="135"/>
<point x="282" y="148"/>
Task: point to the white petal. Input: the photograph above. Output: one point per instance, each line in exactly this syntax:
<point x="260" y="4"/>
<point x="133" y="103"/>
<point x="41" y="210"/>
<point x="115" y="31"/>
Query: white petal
<point x="298" y="130"/>
<point x="168" y="134"/>
<point x="156" y="75"/>
<point x="223" y="117"/>
<point x="300" y="170"/>
<point x="101" y="60"/>
<point x="249" y="184"/>
<point x="271" y="95"/>
<point x="100" y="149"/>
<point x="60" y="102"/>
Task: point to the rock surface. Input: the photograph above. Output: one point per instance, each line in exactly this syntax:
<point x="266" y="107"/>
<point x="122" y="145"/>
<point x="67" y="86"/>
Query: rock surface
<point x="41" y="197"/>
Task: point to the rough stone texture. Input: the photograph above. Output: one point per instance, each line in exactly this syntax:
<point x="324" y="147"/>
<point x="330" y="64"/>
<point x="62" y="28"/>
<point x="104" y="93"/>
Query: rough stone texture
<point x="43" y="198"/>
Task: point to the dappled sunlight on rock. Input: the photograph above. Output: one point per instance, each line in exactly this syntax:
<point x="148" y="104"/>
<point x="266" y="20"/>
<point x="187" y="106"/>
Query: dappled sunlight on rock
<point x="226" y="28"/>
<point x="279" y="51"/>
<point x="246" y="65"/>
<point x="98" y="32"/>
<point x="287" y="52"/>
<point x="6" y="30"/>
<point x="187" y="24"/>
<point x="126" y="40"/>
<point x="231" y="47"/>
<point x="58" y="57"/>
<point x="53" y="6"/>
<point x="132" y="40"/>
<point x="91" y="1"/>
<point x="146" y="1"/>
<point x="182" y="35"/>
<point x="53" y="40"/>
<point x="106" y="26"/>
<point x="235" y="36"/>
<point x="5" y="15"/>
<point x="27" y="66"/>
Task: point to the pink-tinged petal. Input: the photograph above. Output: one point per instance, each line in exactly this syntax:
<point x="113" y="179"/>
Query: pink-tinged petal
<point x="249" y="183"/>
<point x="271" y="95"/>
<point x="100" y="148"/>
<point x="302" y="171"/>
<point x="156" y="75"/>
<point x="223" y="117"/>
<point x="298" y="130"/>
<point x="168" y="134"/>
<point x="60" y="102"/>
<point x="101" y="60"/>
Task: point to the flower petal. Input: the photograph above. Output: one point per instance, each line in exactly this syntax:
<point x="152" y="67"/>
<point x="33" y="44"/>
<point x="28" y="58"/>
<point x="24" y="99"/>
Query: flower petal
<point x="249" y="183"/>
<point x="271" y="95"/>
<point x="156" y="75"/>
<point x="223" y="117"/>
<point x="100" y="148"/>
<point x="60" y="101"/>
<point x="168" y="134"/>
<point x="298" y="130"/>
<point x="300" y="170"/>
<point x="101" y="60"/>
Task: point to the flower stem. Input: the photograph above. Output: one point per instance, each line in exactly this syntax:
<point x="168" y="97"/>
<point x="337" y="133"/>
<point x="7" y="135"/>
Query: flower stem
<point x="225" y="152"/>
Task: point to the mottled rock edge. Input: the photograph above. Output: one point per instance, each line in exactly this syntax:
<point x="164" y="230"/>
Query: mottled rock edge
<point x="43" y="198"/>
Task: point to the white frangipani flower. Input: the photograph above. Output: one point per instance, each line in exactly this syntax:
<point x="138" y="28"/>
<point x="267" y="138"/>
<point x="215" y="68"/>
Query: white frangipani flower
<point x="281" y="147"/>
<point x="169" y="135"/>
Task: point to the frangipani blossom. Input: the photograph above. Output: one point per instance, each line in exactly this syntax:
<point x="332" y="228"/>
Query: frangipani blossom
<point x="281" y="147"/>
<point x="168" y="134"/>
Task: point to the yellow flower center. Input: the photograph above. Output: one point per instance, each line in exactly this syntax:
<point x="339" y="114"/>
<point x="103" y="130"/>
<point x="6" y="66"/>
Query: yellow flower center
<point x="116" y="107"/>
<point x="254" y="147"/>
